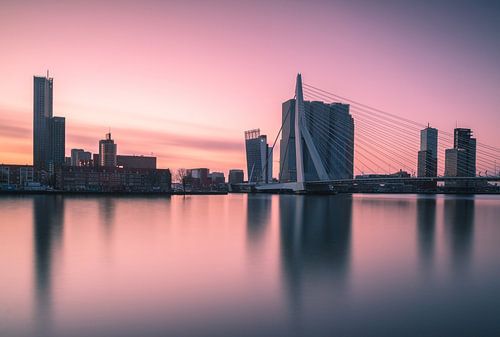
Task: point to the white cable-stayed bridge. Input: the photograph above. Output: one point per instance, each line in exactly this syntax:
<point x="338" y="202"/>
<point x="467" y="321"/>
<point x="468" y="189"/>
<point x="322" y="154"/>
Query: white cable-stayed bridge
<point x="344" y="144"/>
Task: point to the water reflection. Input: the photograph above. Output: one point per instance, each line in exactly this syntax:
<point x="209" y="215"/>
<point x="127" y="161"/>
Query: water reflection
<point x="315" y="234"/>
<point x="459" y="222"/>
<point x="48" y="217"/>
<point x="368" y="265"/>
<point x="258" y="216"/>
<point x="426" y="229"/>
<point x="107" y="210"/>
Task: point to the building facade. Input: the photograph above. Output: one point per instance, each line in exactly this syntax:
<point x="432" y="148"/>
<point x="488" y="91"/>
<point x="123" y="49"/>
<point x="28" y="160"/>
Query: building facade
<point x="57" y="131"/>
<point x="16" y="176"/>
<point x="42" y="112"/>
<point x="217" y="178"/>
<point x="259" y="157"/>
<point x="198" y="178"/>
<point x="236" y="176"/>
<point x="80" y="157"/>
<point x="427" y="156"/>
<point x="461" y="160"/>
<point x="136" y="161"/>
<point x="48" y="131"/>
<point x="332" y="131"/>
<point x="107" y="152"/>
<point x="112" y="179"/>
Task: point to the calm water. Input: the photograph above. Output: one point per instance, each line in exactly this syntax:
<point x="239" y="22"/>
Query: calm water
<point x="257" y="265"/>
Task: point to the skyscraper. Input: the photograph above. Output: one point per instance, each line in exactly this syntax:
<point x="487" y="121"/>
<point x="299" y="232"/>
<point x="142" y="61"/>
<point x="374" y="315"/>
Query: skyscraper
<point x="57" y="136"/>
<point x="427" y="156"/>
<point x="42" y="112"/>
<point x="107" y="152"/>
<point x="461" y="160"/>
<point x="48" y="131"/>
<point x="332" y="130"/>
<point x="259" y="157"/>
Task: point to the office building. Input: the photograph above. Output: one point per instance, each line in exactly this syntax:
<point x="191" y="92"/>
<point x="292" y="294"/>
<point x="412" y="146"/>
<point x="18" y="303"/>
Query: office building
<point x="136" y="161"/>
<point x="331" y="128"/>
<point x="259" y="157"/>
<point x="107" y="152"/>
<point x="80" y="157"/>
<point x="15" y="176"/>
<point x="42" y="112"/>
<point x="48" y="131"/>
<point x="427" y="156"/>
<point x="217" y="178"/>
<point x="57" y="146"/>
<point x="236" y="176"/>
<point x="198" y="178"/>
<point x="112" y="179"/>
<point x="461" y="160"/>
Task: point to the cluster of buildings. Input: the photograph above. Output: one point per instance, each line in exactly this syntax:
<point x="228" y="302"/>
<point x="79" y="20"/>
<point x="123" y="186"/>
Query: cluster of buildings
<point x="326" y="153"/>
<point x="105" y="171"/>
<point x="460" y="161"/>
<point x="335" y="150"/>
<point x="330" y="147"/>
<point x="84" y="171"/>
<point x="201" y="179"/>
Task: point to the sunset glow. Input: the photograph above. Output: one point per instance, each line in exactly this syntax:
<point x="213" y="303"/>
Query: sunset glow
<point x="183" y="81"/>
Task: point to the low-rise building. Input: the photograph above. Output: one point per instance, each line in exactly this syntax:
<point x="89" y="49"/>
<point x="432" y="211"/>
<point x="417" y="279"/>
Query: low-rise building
<point x="16" y="176"/>
<point x="127" y="161"/>
<point x="198" y="178"/>
<point x="111" y="179"/>
<point x="236" y="176"/>
<point x="217" y="178"/>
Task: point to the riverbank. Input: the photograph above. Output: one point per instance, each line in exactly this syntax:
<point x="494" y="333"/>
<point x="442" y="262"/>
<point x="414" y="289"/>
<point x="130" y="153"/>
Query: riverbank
<point x="157" y="194"/>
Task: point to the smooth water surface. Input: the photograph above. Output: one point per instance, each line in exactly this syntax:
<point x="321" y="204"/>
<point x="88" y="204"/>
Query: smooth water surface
<point x="250" y="265"/>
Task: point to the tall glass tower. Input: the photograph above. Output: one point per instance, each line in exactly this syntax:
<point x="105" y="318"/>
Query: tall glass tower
<point x="259" y="157"/>
<point x="427" y="156"/>
<point x="42" y="113"/>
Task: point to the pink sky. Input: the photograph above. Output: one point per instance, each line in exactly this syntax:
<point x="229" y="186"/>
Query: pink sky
<point x="183" y="81"/>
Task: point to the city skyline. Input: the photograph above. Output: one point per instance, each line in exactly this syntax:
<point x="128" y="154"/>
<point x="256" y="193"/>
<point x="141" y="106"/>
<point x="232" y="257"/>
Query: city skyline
<point x="189" y="134"/>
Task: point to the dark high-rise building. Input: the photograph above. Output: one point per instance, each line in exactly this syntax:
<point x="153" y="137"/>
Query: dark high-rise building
<point x="461" y="160"/>
<point x="107" y="152"/>
<point x="259" y="157"/>
<point x="57" y="136"/>
<point x="332" y="130"/>
<point x="42" y="113"/>
<point x="427" y="156"/>
<point x="236" y="176"/>
<point x="48" y="131"/>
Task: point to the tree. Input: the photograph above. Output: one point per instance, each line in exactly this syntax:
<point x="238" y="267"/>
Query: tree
<point x="180" y="177"/>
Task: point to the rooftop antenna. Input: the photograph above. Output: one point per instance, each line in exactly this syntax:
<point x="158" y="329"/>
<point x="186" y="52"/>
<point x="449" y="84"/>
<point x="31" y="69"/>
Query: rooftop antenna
<point x="47" y="73"/>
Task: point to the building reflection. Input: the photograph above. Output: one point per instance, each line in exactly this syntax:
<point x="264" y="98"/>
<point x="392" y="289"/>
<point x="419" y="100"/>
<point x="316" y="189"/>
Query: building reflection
<point x="315" y="233"/>
<point x="48" y="219"/>
<point x="258" y="216"/>
<point x="459" y="222"/>
<point x="426" y="229"/>
<point x="107" y="213"/>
